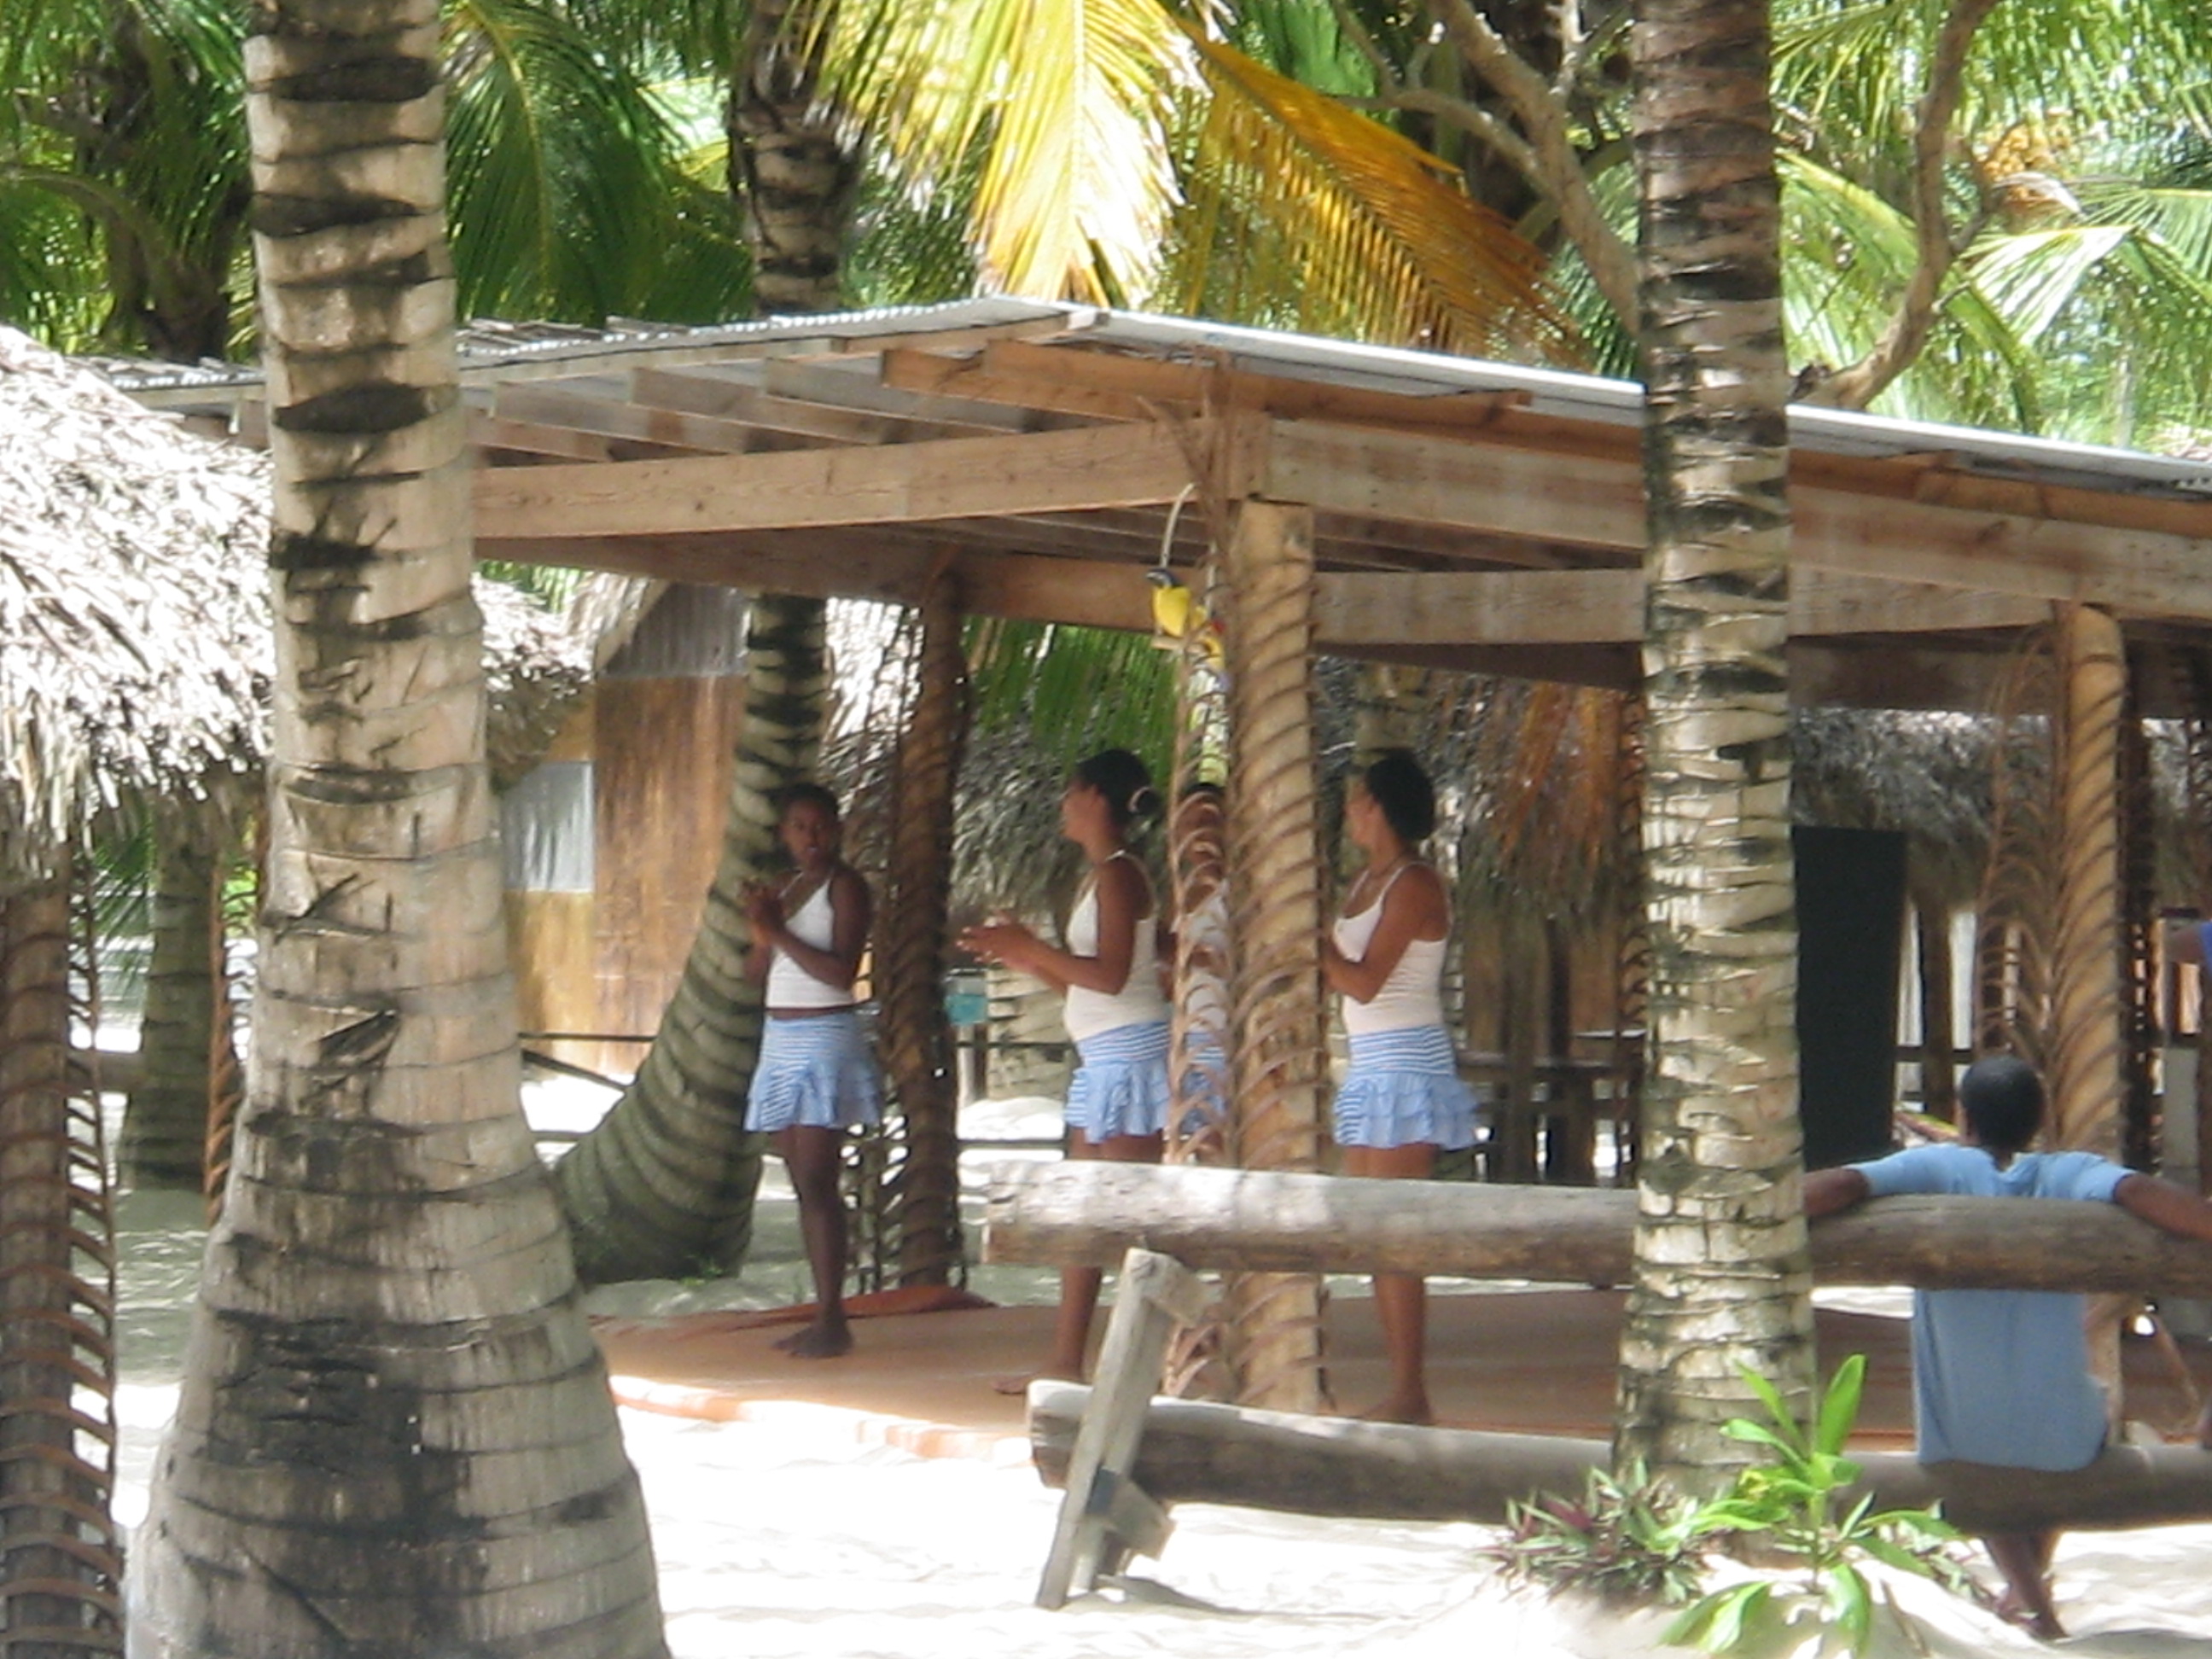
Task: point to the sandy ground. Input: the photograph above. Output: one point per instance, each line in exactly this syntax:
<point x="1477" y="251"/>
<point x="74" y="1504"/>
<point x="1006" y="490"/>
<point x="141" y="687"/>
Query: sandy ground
<point x="799" y="1530"/>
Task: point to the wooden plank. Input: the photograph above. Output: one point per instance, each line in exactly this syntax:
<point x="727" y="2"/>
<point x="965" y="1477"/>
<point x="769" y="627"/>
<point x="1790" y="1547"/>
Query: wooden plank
<point x="1559" y="607"/>
<point x="870" y="564"/>
<point x="1194" y="1451"/>
<point x="1115" y="385"/>
<point x="847" y="389"/>
<point x="1077" y="1214"/>
<point x="613" y="417"/>
<point x="1085" y="1537"/>
<point x="899" y="484"/>
<point x="529" y="438"/>
<point x="745" y="405"/>
<point x="1600" y="503"/>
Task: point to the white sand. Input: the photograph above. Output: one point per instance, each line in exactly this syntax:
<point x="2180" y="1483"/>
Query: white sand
<point x="794" y="1537"/>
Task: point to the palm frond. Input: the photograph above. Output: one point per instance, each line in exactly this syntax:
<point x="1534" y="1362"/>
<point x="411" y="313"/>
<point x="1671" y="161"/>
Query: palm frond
<point x="1061" y="104"/>
<point x="1341" y="226"/>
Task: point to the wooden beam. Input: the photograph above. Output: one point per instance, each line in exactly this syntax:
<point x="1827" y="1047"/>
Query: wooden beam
<point x="530" y="438"/>
<point x="744" y="405"/>
<point x="613" y="417"/>
<point x="1599" y="502"/>
<point x="1194" y="1451"/>
<point x="1559" y="607"/>
<point x="870" y="564"/>
<point x="1086" y="1214"/>
<point x="854" y="389"/>
<point x="899" y="484"/>
<point x="1115" y="385"/>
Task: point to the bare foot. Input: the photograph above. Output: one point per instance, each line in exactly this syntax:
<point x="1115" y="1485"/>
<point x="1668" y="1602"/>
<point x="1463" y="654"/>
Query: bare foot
<point x="1414" y="1412"/>
<point x="790" y="1339"/>
<point x="2044" y="1625"/>
<point x="1044" y="1374"/>
<point x="820" y="1341"/>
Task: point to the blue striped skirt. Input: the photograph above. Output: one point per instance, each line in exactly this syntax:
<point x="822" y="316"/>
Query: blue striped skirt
<point x="1204" y="1086"/>
<point x="1402" y="1088"/>
<point x="1122" y="1086"/>
<point x="816" y="1072"/>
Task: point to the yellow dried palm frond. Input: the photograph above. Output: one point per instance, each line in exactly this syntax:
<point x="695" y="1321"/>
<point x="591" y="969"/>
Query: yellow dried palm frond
<point x="1060" y="108"/>
<point x="1306" y="212"/>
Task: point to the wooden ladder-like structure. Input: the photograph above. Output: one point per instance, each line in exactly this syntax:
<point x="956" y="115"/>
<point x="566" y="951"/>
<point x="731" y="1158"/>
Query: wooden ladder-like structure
<point x="1105" y="1517"/>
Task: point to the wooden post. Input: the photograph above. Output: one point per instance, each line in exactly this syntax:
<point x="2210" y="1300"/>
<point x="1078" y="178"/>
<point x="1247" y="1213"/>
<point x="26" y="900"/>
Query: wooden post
<point x="1275" y="863"/>
<point x="1106" y="1517"/>
<point x="1086" y="1214"/>
<point x="2086" y="1047"/>
<point x="915" y="1037"/>
<point x="1196" y="1452"/>
<point x="2085" y="1042"/>
<point x="1939" y="1037"/>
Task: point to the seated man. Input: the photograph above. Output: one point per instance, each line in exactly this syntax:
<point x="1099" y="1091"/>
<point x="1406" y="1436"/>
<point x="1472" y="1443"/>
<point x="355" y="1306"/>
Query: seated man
<point x="2002" y="1376"/>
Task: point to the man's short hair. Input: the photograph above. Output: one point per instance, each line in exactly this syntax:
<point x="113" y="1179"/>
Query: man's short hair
<point x="2003" y="1099"/>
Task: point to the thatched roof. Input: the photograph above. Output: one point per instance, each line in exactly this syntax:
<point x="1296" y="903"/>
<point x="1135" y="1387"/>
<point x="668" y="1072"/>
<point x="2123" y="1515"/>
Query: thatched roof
<point x="135" y="620"/>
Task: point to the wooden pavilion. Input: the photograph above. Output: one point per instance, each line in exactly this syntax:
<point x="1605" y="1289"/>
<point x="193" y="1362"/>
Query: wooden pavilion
<point x="1465" y="514"/>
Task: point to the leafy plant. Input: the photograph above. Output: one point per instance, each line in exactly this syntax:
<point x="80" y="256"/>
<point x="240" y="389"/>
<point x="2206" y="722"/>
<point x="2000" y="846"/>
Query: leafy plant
<point x="1793" y="1508"/>
<point x="1629" y="1539"/>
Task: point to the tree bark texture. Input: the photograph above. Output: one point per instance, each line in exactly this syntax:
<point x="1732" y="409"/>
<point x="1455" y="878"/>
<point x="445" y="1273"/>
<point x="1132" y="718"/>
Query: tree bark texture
<point x="915" y="1037"/>
<point x="1273" y="1322"/>
<point x="662" y="1186"/>
<point x="394" y="1435"/>
<point x="1721" y="1282"/>
<point x="1249" y="1221"/>
<point x="2085" y="1044"/>
<point x="165" y="1124"/>
<point x="792" y="176"/>
<point x="60" y="1558"/>
<point x="1196" y="1452"/>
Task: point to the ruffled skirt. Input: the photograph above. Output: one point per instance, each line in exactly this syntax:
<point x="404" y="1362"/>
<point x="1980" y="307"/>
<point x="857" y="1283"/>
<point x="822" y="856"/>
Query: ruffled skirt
<point x="1402" y="1088"/>
<point x="817" y="1072"/>
<point x="1122" y="1086"/>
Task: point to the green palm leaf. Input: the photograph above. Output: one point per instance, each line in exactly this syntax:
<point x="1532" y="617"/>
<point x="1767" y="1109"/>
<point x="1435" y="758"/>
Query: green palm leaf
<point x="1060" y="108"/>
<point x="1342" y="226"/>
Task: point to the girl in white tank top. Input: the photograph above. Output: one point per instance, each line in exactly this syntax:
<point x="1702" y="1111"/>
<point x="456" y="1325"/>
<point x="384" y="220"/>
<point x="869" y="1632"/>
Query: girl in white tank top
<point x="1117" y="1101"/>
<point x="814" y="1078"/>
<point x="1401" y="1097"/>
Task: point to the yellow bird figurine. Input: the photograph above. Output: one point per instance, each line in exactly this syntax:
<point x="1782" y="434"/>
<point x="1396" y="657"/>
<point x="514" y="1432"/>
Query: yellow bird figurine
<point x="1178" y="614"/>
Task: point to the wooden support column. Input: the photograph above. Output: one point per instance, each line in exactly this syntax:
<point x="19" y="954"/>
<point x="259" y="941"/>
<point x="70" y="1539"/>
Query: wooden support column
<point x="915" y="1037"/>
<point x="2086" y="1049"/>
<point x="1274" y="1327"/>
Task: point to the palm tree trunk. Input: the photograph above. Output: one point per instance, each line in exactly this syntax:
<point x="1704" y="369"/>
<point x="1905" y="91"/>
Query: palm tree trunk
<point x="663" y="1186"/>
<point x="1722" y="1279"/>
<point x="60" y="1563"/>
<point x="916" y="1038"/>
<point x="394" y="1434"/>
<point x="165" y="1124"/>
<point x="1273" y="1332"/>
<point x="793" y="173"/>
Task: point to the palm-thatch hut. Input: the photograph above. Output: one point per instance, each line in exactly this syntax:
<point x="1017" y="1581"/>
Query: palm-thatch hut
<point x="135" y="649"/>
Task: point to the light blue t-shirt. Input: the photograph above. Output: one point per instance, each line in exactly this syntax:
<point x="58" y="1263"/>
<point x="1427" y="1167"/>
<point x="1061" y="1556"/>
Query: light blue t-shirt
<point x="2001" y="1376"/>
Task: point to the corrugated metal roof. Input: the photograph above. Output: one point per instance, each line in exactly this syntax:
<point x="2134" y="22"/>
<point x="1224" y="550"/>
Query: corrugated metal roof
<point x="494" y="350"/>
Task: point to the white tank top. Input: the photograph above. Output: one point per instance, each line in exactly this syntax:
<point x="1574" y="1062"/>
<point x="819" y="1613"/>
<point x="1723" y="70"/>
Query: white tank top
<point x="1139" y="1002"/>
<point x="789" y="985"/>
<point x="1414" y="993"/>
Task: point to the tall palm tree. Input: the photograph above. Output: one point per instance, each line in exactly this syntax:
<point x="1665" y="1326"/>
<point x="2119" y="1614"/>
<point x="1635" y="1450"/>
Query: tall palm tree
<point x="394" y="1433"/>
<point x="664" y="1184"/>
<point x="1722" y="1278"/>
